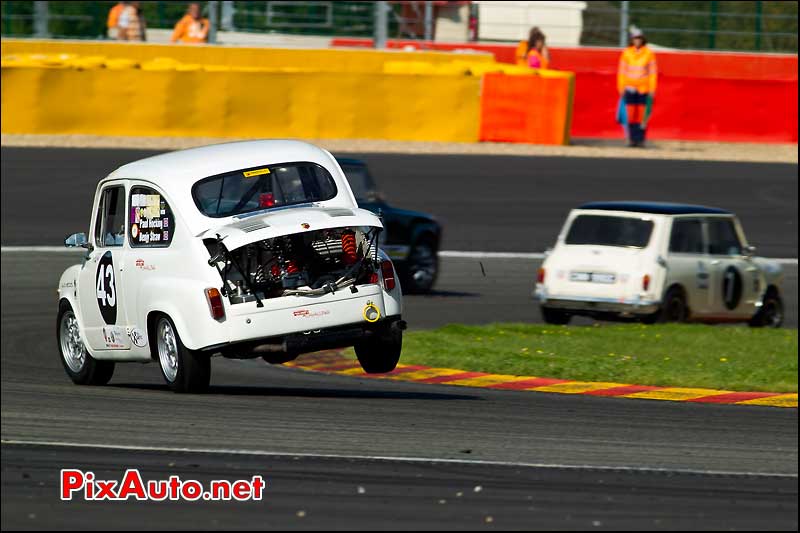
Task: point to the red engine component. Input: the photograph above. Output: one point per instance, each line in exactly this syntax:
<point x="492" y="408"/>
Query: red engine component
<point x="291" y="267"/>
<point x="349" y="252"/>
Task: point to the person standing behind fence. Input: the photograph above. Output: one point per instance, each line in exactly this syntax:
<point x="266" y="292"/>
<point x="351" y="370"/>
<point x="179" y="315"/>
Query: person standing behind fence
<point x="113" y="20"/>
<point x="636" y="83"/>
<point x="533" y="52"/>
<point x="192" y="28"/>
<point x="131" y="22"/>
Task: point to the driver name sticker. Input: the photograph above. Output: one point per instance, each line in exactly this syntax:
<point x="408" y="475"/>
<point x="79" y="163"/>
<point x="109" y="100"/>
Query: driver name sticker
<point x="258" y="172"/>
<point x="150" y="219"/>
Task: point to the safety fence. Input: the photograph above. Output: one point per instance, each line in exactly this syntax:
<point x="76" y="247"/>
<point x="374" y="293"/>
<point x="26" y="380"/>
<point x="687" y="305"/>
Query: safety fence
<point x="706" y="96"/>
<point x="63" y="87"/>
<point x="759" y="26"/>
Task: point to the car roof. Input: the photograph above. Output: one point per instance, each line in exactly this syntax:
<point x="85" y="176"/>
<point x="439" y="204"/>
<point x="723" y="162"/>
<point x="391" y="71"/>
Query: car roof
<point x="659" y="208"/>
<point x="176" y="172"/>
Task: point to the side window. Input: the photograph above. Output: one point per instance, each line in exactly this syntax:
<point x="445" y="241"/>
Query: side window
<point x="687" y="236"/>
<point x="109" y="228"/>
<point x="151" y="223"/>
<point x="722" y="237"/>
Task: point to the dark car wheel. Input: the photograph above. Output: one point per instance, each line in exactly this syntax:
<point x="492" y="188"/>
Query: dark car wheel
<point x="770" y="315"/>
<point x="421" y="269"/>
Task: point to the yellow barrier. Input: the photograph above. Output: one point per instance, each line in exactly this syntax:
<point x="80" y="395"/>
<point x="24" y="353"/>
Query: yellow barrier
<point x="240" y="103"/>
<point x="326" y="60"/>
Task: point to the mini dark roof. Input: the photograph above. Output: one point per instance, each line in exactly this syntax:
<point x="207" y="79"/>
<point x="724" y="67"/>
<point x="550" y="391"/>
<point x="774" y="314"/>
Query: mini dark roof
<point x="659" y="208"/>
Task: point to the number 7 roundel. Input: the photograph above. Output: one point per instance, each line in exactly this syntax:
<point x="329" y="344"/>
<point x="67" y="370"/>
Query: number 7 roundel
<point x="106" y="284"/>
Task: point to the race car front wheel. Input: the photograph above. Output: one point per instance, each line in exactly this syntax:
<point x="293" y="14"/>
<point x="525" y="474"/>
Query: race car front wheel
<point x="380" y="352"/>
<point x="184" y="370"/>
<point x="770" y="315"/>
<point x="82" y="368"/>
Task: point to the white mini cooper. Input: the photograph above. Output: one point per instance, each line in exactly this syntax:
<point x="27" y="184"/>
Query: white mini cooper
<point x="246" y="249"/>
<point x="657" y="262"/>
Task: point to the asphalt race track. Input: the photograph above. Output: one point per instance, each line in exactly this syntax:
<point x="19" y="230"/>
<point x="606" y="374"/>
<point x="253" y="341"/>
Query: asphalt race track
<point x="516" y="459"/>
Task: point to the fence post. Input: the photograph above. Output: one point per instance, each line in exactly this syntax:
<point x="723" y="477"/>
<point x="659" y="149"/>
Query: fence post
<point x="213" y="21"/>
<point x="226" y="20"/>
<point x="41" y="15"/>
<point x="623" y="23"/>
<point x="381" y="21"/>
<point x="758" y="25"/>
<point x="712" y="35"/>
<point x="428" y="20"/>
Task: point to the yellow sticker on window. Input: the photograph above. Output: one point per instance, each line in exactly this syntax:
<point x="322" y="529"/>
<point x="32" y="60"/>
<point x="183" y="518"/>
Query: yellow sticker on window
<point x="251" y="173"/>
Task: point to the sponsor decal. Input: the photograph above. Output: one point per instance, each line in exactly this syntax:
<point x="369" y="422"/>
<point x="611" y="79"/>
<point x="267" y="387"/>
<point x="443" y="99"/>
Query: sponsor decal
<point x="138" y="338"/>
<point x="257" y="172"/>
<point x="305" y="225"/>
<point x="305" y="313"/>
<point x="115" y="338"/>
<point x="141" y="265"/>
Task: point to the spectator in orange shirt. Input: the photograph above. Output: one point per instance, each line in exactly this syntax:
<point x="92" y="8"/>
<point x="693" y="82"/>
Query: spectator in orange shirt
<point x="113" y="20"/>
<point x="192" y="28"/>
<point x="533" y="52"/>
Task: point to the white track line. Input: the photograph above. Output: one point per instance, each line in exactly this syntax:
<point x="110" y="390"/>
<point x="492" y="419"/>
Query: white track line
<point x="475" y="462"/>
<point x="453" y="254"/>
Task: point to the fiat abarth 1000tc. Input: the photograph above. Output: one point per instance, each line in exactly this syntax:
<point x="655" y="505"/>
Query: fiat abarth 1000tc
<point x="657" y="262"/>
<point x="246" y="249"/>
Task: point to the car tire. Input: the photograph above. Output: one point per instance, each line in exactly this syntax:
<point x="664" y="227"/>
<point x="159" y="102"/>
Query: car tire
<point x="770" y="315"/>
<point x="555" y="316"/>
<point x="81" y="367"/>
<point x="673" y="308"/>
<point x="421" y="268"/>
<point x="380" y="352"/>
<point x="184" y="370"/>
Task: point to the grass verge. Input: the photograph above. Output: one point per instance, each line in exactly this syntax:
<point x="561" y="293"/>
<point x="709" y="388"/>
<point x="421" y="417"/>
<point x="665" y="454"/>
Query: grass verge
<point x="730" y="358"/>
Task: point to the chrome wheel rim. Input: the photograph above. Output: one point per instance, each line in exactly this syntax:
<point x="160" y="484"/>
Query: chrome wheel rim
<point x="167" y="349"/>
<point x="423" y="265"/>
<point x="72" y="349"/>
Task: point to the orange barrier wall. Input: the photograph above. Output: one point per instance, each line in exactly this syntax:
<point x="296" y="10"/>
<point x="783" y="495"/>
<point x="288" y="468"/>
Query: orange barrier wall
<point x="708" y="96"/>
<point x="528" y="109"/>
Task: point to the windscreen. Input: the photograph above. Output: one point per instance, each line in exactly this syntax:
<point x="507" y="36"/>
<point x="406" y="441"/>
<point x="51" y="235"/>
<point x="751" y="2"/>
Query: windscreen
<point x="257" y="188"/>
<point x="602" y="230"/>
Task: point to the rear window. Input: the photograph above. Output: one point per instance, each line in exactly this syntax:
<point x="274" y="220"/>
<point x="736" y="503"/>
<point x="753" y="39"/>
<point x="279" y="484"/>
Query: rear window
<point x="604" y="230"/>
<point x="256" y="188"/>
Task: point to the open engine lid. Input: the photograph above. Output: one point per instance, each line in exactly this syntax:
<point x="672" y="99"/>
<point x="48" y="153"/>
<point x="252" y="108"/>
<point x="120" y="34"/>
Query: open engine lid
<point x="261" y="225"/>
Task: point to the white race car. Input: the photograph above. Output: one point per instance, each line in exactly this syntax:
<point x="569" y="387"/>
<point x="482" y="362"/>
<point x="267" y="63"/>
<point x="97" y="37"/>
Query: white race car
<point x="246" y="249"/>
<point x="657" y="262"/>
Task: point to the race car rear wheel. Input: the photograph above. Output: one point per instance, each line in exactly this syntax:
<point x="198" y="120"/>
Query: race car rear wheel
<point x="82" y="368"/>
<point x="184" y="370"/>
<point x="380" y="352"/>
<point x="555" y="316"/>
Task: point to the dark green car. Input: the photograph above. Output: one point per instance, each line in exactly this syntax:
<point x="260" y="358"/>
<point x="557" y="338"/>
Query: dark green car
<point x="410" y="238"/>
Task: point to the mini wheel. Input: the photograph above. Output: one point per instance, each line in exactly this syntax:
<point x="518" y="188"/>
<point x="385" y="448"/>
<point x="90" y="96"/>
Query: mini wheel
<point x="81" y="367"/>
<point x="184" y="370"/>
<point x="555" y="316"/>
<point x="770" y="315"/>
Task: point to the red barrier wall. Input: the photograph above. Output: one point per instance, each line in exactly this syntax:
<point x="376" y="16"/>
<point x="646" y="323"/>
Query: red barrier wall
<point x="707" y="96"/>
